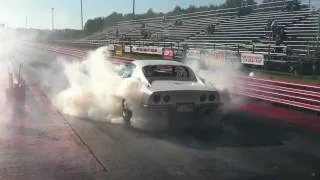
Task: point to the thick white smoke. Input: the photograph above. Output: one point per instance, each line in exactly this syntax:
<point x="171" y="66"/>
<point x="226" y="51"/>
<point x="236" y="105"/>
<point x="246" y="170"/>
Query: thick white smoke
<point x="10" y="47"/>
<point x="219" y="73"/>
<point x="95" y="90"/>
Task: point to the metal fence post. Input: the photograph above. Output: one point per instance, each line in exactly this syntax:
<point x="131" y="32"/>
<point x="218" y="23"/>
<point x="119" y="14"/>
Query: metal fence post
<point x="318" y="30"/>
<point x="269" y="53"/>
<point x="238" y="48"/>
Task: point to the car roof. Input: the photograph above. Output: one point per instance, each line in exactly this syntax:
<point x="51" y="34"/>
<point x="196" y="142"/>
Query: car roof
<point x="143" y="63"/>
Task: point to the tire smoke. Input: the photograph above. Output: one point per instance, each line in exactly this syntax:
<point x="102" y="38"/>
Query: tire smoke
<point x="222" y="76"/>
<point x="95" y="90"/>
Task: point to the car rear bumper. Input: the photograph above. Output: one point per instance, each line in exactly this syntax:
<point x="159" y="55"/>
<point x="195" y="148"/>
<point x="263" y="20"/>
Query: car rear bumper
<point x="207" y="115"/>
<point x="203" y="109"/>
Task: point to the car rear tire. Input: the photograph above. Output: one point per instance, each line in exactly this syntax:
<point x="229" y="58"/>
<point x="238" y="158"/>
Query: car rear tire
<point x="126" y="113"/>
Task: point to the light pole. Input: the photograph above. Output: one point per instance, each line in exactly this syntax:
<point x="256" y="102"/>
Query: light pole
<point x="52" y="19"/>
<point x="26" y="21"/>
<point x="133" y="7"/>
<point x="309" y="4"/>
<point x="81" y="15"/>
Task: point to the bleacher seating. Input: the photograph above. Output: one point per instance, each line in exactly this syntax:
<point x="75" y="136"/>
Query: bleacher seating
<point x="192" y="24"/>
<point x="247" y="29"/>
<point x="244" y="33"/>
<point x="301" y="35"/>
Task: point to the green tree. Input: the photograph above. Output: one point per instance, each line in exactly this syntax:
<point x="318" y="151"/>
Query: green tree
<point x="112" y="19"/>
<point x="247" y="7"/>
<point x="93" y="26"/>
<point x="191" y="9"/>
<point x="177" y="10"/>
<point x="232" y="3"/>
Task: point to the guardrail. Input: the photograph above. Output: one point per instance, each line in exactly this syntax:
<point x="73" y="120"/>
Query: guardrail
<point x="293" y="94"/>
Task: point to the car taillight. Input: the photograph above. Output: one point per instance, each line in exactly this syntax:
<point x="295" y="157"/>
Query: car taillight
<point x="166" y="98"/>
<point x="203" y="97"/>
<point x="156" y="98"/>
<point x="212" y="97"/>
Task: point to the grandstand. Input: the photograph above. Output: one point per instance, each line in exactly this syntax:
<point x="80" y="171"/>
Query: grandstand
<point x="244" y="33"/>
<point x="247" y="29"/>
<point x="300" y="27"/>
<point x="192" y="24"/>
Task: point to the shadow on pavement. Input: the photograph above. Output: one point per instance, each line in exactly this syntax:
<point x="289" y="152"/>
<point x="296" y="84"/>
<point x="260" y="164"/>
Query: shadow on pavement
<point x="239" y="130"/>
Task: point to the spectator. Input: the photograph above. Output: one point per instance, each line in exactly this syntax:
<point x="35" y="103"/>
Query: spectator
<point x="292" y="69"/>
<point x="185" y="49"/>
<point x="149" y="33"/>
<point x="117" y="33"/>
<point x="287" y="50"/>
<point x="268" y="28"/>
<point x="274" y="27"/>
<point x="282" y="33"/>
<point x="145" y="34"/>
<point x="213" y="28"/>
<point x="278" y="43"/>
<point x="208" y="29"/>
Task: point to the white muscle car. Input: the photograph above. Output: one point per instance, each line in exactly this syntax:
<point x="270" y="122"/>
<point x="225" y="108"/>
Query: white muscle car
<point x="170" y="88"/>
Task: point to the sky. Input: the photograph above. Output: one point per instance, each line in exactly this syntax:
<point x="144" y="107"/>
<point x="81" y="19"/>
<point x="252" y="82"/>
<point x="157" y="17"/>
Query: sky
<point x="38" y="13"/>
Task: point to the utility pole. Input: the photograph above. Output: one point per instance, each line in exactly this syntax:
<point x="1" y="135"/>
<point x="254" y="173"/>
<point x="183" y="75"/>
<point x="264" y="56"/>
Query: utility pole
<point x="52" y="19"/>
<point x="133" y="7"/>
<point x="81" y="15"/>
<point x="26" y="21"/>
<point x="309" y="4"/>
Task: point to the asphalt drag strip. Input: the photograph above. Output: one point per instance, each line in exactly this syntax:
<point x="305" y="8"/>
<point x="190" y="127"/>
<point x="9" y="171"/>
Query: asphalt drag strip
<point x="248" y="146"/>
<point x="34" y="146"/>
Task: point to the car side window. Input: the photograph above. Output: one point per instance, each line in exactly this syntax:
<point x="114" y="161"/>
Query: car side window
<point x="127" y="71"/>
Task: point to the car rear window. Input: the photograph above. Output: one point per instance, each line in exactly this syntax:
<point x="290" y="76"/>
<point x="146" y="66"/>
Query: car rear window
<point x="168" y="72"/>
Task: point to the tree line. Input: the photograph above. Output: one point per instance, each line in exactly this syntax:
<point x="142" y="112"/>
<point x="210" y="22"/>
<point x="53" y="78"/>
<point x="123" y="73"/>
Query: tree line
<point x="99" y="23"/>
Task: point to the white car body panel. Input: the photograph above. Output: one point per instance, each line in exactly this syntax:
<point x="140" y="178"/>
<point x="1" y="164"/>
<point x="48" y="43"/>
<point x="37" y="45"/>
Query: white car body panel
<point x="179" y="85"/>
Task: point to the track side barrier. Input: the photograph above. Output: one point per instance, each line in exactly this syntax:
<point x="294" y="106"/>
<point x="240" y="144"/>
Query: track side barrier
<point x="292" y="94"/>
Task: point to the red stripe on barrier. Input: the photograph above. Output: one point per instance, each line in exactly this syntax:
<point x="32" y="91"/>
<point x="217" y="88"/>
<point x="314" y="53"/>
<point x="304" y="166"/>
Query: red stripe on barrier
<point x="278" y="100"/>
<point x="280" y="94"/>
<point x="315" y="87"/>
<point x="283" y="89"/>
